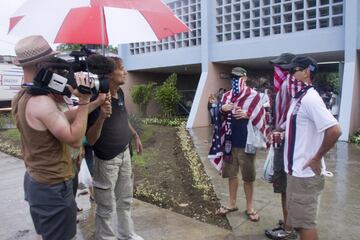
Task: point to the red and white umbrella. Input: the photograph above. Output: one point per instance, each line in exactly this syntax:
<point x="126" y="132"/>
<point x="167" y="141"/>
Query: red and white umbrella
<point x="96" y="21"/>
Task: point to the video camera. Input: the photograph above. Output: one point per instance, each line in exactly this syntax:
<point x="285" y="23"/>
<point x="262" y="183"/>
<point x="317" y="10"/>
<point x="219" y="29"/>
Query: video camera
<point x="56" y="73"/>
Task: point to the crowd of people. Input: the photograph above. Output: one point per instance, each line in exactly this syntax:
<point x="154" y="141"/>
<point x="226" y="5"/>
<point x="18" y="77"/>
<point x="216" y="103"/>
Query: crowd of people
<point x="54" y="133"/>
<point x="301" y="129"/>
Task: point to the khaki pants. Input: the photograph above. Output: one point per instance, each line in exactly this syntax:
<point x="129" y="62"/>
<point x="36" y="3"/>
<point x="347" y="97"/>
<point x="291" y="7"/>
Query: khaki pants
<point x="113" y="189"/>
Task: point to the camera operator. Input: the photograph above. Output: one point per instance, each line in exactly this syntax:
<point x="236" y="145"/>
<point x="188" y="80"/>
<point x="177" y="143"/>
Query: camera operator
<point x="110" y="133"/>
<point x="46" y="132"/>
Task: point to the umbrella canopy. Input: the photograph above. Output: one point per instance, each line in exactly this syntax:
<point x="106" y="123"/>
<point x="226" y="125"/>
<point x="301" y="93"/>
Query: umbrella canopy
<point x="96" y="21"/>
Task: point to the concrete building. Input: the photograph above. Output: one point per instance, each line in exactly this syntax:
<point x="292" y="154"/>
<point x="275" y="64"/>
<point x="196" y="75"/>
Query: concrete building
<point x="248" y="33"/>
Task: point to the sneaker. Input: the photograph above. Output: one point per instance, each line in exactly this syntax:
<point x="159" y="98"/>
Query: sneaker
<point x="280" y="233"/>
<point x="135" y="237"/>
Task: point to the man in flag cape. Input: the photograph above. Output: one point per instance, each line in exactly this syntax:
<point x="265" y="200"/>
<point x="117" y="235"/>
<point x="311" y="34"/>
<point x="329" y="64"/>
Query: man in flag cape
<point x="241" y="115"/>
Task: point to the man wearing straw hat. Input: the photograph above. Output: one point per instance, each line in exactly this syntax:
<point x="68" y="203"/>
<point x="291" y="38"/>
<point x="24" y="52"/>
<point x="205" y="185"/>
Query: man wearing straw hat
<point x="45" y="134"/>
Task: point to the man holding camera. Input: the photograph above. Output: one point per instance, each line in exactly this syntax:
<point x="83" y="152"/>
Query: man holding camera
<point x="46" y="132"/>
<point x="110" y="133"/>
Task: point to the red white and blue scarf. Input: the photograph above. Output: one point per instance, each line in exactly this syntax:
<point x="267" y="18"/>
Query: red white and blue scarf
<point x="248" y="100"/>
<point x="288" y="88"/>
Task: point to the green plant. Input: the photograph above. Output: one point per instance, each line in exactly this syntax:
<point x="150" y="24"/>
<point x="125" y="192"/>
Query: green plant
<point x="147" y="134"/>
<point x="137" y="123"/>
<point x="6" y="120"/>
<point x="168" y="96"/>
<point x="141" y="95"/>
<point x="175" y="122"/>
<point x="328" y="82"/>
<point x="146" y="157"/>
<point x="356" y="137"/>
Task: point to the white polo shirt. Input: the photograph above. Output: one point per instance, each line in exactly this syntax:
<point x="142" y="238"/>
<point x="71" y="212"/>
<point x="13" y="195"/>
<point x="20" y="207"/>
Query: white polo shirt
<point x="305" y="135"/>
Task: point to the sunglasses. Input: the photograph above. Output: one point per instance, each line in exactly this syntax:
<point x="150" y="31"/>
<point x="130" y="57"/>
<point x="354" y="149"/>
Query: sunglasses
<point x="292" y="71"/>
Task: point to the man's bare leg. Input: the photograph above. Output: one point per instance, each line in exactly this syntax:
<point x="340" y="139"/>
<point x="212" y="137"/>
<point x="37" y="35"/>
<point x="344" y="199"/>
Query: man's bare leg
<point x="308" y="234"/>
<point x="233" y="187"/>
<point x="249" y="191"/>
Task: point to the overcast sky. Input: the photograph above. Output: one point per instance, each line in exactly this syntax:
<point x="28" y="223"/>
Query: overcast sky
<point x="7" y="8"/>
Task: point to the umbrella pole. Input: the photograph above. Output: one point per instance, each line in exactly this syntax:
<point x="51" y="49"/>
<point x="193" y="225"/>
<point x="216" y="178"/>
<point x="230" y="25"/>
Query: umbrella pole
<point x="102" y="30"/>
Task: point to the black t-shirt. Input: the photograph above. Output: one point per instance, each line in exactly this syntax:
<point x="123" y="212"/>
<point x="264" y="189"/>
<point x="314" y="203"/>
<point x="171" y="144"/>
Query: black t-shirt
<point x="239" y="132"/>
<point x="115" y="134"/>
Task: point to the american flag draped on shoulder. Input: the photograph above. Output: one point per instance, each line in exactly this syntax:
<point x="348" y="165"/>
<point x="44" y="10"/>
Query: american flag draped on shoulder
<point x="248" y="100"/>
<point x="286" y="88"/>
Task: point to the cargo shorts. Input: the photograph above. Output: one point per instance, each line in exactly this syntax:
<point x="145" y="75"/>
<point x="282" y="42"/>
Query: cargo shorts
<point x="242" y="160"/>
<point x="303" y="200"/>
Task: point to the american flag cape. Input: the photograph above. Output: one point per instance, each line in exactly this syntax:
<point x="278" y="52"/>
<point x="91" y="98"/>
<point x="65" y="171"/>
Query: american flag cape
<point x="249" y="100"/>
<point x="289" y="88"/>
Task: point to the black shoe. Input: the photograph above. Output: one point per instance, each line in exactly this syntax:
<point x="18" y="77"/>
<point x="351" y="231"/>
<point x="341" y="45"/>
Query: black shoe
<point x="280" y="233"/>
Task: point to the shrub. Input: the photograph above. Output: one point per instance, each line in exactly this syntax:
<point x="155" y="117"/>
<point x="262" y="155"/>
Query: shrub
<point x="175" y="122"/>
<point x="168" y="96"/>
<point x="136" y="123"/>
<point x="356" y="137"/>
<point x="141" y="96"/>
<point x="328" y="82"/>
<point x="6" y="121"/>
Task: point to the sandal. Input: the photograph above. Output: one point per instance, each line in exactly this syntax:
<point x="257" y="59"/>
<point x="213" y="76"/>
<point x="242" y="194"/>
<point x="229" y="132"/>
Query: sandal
<point x="253" y="216"/>
<point x="222" y="211"/>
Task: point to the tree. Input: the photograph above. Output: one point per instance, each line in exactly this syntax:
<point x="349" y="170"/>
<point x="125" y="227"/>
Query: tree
<point x="327" y="82"/>
<point x="76" y="47"/>
<point x="68" y="47"/>
<point x="168" y="96"/>
<point x="141" y="96"/>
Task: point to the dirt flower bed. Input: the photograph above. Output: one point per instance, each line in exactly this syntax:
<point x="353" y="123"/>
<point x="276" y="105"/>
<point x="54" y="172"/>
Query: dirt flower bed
<point x="169" y="174"/>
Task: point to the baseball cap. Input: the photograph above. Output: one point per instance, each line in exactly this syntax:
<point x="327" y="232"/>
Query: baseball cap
<point x="284" y="58"/>
<point x="302" y="62"/>
<point x="238" y="71"/>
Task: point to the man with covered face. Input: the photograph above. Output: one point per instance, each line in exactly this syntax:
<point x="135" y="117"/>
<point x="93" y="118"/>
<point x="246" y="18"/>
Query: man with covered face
<point x="311" y="131"/>
<point x="232" y="147"/>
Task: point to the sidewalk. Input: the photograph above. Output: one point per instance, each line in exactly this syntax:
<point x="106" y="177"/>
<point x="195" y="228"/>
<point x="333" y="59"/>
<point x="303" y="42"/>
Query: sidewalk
<point x="339" y="210"/>
<point x="151" y="222"/>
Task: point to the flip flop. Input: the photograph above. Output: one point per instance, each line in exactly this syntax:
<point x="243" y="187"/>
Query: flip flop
<point x="252" y="216"/>
<point x="222" y="211"/>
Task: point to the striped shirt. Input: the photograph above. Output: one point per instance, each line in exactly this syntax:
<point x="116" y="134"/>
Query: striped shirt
<point x="307" y="120"/>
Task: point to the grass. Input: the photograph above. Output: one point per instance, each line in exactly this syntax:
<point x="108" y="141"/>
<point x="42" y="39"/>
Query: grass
<point x="148" y="132"/>
<point x="146" y="157"/>
<point x="12" y="134"/>
<point x="148" y="153"/>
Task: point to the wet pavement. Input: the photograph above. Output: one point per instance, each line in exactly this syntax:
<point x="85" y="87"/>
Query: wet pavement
<point x="339" y="212"/>
<point x="339" y="216"/>
<point x="151" y="222"/>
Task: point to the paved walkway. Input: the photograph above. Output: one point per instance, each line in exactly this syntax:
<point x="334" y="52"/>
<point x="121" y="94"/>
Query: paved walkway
<point x="340" y="207"/>
<point x="151" y="222"/>
<point x="339" y="212"/>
